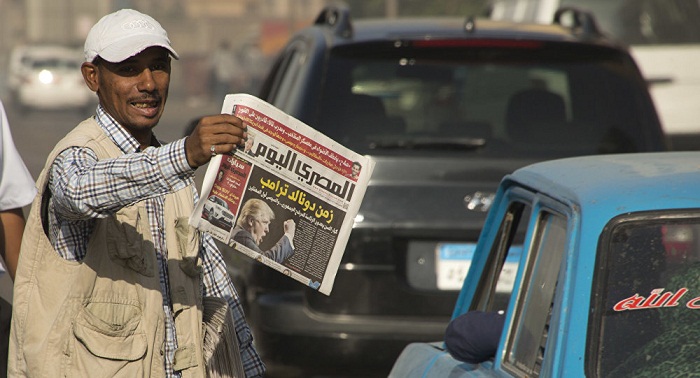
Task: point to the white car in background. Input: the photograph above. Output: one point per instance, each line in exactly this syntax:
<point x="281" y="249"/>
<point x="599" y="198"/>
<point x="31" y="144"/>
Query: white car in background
<point x="48" y="77"/>
<point x="663" y="37"/>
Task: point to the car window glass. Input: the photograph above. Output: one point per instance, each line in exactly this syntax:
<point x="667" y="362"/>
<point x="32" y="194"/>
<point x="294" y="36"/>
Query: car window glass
<point x="55" y="63"/>
<point x="494" y="290"/>
<point x="498" y="104"/>
<point x="526" y="343"/>
<point x="287" y="76"/>
<point x="649" y="297"/>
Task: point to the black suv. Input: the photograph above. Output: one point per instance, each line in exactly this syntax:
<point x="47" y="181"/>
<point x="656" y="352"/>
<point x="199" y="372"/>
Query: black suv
<point x="446" y="107"/>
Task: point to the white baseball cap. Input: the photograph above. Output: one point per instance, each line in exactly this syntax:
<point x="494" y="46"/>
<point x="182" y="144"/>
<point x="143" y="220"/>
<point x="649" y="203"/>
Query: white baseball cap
<point x="123" y="34"/>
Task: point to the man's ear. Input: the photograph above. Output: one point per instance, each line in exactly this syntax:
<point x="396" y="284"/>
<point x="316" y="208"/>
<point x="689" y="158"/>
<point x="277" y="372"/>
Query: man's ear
<point x="89" y="71"/>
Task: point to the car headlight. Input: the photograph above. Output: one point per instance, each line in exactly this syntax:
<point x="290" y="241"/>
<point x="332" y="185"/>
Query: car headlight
<point x="46" y="77"/>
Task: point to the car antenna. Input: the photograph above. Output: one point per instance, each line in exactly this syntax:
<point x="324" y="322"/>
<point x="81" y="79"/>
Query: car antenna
<point x="336" y="16"/>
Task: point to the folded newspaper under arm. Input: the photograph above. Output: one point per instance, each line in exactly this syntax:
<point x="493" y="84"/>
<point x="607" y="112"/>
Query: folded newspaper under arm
<point x="288" y="199"/>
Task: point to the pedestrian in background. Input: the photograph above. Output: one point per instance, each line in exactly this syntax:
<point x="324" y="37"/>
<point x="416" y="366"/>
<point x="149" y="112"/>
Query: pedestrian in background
<point x="16" y="191"/>
<point x="112" y="280"/>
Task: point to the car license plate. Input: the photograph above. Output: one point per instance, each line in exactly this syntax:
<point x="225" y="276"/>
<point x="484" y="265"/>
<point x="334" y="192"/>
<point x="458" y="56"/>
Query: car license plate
<point x="452" y="262"/>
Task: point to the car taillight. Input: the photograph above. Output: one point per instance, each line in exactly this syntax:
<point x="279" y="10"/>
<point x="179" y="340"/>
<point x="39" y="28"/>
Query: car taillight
<point x="478" y="43"/>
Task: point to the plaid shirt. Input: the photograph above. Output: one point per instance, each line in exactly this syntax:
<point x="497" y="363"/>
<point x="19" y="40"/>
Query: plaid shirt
<point x="85" y="189"/>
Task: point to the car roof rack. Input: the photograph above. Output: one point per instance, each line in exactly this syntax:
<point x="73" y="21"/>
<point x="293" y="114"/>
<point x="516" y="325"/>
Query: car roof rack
<point x="337" y="17"/>
<point x="470" y="24"/>
<point x="583" y="22"/>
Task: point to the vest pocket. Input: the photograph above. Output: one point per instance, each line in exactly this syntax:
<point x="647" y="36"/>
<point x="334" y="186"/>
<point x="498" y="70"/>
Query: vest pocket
<point x="188" y="243"/>
<point x="109" y="339"/>
<point x="129" y="242"/>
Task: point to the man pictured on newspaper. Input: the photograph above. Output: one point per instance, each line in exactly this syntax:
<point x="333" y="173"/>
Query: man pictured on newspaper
<point x="254" y="223"/>
<point x="248" y="148"/>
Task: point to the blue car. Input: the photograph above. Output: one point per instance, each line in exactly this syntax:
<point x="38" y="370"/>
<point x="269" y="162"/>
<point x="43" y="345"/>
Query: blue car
<point x="608" y="278"/>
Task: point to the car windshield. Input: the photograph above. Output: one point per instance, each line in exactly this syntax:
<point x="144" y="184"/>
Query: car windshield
<point x="532" y="99"/>
<point x="648" y="297"/>
<point x="55" y="63"/>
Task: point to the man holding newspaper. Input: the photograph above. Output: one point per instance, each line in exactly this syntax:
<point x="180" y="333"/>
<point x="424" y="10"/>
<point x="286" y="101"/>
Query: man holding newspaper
<point x="109" y="269"/>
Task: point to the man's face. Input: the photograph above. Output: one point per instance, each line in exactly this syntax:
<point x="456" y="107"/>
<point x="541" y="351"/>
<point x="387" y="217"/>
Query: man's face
<point x="260" y="228"/>
<point x="249" y="144"/>
<point x="355" y="170"/>
<point x="133" y="91"/>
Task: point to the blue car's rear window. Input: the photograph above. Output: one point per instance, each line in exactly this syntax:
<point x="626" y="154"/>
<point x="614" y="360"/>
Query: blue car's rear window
<point x="647" y="298"/>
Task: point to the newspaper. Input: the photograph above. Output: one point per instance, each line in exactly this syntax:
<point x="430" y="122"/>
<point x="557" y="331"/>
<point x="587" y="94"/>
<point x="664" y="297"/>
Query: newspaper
<point x="298" y="187"/>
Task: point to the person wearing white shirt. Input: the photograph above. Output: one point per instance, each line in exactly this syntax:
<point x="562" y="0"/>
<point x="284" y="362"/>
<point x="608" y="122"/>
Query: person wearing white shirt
<point x="17" y="190"/>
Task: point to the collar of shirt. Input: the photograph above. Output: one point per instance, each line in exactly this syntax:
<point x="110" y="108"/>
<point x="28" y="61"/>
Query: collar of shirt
<point x="125" y="141"/>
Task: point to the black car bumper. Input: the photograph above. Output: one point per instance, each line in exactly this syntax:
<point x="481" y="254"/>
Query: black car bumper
<point x="288" y="333"/>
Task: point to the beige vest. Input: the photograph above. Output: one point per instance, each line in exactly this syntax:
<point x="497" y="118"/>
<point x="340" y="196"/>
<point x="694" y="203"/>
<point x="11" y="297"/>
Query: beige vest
<point x="103" y="317"/>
